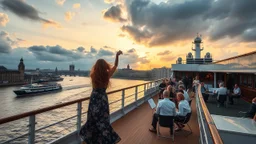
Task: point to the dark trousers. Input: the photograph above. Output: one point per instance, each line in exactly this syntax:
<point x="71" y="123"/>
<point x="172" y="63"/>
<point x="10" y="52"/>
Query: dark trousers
<point x="233" y="96"/>
<point x="205" y="96"/>
<point x="155" y="120"/>
<point x="179" y="119"/>
<point x="222" y="99"/>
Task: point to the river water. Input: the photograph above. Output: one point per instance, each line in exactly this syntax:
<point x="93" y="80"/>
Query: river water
<point x="73" y="88"/>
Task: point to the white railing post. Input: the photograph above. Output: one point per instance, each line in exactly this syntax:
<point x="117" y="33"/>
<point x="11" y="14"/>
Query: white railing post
<point x="79" y="115"/>
<point x="123" y="97"/>
<point x="31" y="135"/>
<point x="136" y="95"/>
<point x="144" y="92"/>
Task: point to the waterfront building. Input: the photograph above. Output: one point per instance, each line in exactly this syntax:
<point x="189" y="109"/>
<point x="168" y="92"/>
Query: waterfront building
<point x="12" y="76"/>
<point x="71" y="67"/>
<point x="163" y="72"/>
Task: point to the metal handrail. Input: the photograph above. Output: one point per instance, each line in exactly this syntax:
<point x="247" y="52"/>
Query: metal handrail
<point x="38" y="111"/>
<point x="212" y="127"/>
<point x="32" y="114"/>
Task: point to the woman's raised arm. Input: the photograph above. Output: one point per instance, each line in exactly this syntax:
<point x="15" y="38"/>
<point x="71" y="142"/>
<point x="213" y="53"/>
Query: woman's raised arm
<point x="113" y="69"/>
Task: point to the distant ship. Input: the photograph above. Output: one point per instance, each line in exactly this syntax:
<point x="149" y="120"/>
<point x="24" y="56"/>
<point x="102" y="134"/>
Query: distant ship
<point x="32" y="89"/>
<point x="49" y="79"/>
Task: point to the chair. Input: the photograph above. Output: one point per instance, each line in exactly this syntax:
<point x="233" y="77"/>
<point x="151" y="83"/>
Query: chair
<point x="185" y="122"/>
<point x="166" y="121"/>
<point x="222" y="99"/>
<point x="236" y="99"/>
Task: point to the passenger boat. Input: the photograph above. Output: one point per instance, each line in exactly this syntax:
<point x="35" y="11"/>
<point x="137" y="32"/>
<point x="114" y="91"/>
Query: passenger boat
<point x="31" y="89"/>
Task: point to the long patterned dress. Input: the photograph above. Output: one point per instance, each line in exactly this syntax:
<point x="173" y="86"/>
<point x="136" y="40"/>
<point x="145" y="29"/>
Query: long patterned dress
<point x="97" y="129"/>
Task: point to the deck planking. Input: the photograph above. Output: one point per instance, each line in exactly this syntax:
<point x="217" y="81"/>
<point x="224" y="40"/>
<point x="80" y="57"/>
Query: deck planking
<point x="133" y="128"/>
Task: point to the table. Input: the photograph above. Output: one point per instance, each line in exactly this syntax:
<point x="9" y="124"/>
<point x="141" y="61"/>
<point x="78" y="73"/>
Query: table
<point x="235" y="129"/>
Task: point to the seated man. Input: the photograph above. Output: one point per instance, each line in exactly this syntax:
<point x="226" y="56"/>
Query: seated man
<point x="182" y="87"/>
<point x="162" y="86"/>
<point x="222" y="92"/>
<point x="252" y="112"/>
<point x="203" y="91"/>
<point x="164" y="107"/>
<point x="183" y="110"/>
<point x="236" y="94"/>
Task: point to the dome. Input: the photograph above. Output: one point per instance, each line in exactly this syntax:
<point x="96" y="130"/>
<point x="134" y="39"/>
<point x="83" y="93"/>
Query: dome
<point x="179" y="61"/>
<point x="208" y="55"/>
<point x="190" y="55"/>
<point x="198" y="40"/>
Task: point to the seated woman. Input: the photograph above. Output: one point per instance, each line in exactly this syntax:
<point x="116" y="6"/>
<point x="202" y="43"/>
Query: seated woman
<point x="162" y="87"/>
<point x="183" y="110"/>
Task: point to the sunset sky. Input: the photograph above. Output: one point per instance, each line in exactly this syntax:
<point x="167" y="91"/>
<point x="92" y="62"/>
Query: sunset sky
<point x="151" y="33"/>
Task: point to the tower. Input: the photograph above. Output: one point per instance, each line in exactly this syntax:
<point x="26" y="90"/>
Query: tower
<point x="21" y="68"/>
<point x="72" y="67"/>
<point x="128" y="66"/>
<point x="56" y="71"/>
<point x="197" y="48"/>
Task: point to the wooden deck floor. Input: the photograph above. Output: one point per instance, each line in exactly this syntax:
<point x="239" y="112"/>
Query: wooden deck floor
<point x="133" y="128"/>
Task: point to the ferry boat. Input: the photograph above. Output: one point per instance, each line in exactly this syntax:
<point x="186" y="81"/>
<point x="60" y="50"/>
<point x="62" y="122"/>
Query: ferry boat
<point x="31" y="89"/>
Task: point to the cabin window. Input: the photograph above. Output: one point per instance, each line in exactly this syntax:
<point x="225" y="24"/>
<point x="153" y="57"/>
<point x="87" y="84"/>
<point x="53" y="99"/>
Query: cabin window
<point x="249" y="81"/>
<point x="245" y="80"/>
<point x="241" y="80"/>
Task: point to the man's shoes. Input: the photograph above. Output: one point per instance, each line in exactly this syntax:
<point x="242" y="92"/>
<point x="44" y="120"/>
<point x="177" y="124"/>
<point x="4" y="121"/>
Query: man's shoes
<point x="153" y="130"/>
<point x="177" y="129"/>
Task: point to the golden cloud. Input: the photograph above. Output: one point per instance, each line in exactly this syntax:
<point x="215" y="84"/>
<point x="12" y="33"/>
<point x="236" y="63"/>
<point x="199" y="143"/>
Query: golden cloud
<point x="69" y="15"/>
<point x="76" y="5"/>
<point x="3" y="19"/>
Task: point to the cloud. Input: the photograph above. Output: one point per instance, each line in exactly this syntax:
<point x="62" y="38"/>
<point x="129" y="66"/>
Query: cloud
<point x="80" y="49"/>
<point x="121" y="35"/>
<point x="23" y="10"/>
<point x="103" y="52"/>
<point x="5" y="47"/>
<point x="168" y="58"/>
<point x="131" y="50"/>
<point x="60" y="2"/>
<point x="7" y="42"/>
<point x="3" y="19"/>
<point x="157" y="24"/>
<point x="69" y="15"/>
<point x="93" y="50"/>
<point x="54" y="53"/>
<point x="114" y="14"/>
<point x="249" y="35"/>
<point x="109" y="1"/>
<point x="76" y="5"/>
<point x="167" y="52"/>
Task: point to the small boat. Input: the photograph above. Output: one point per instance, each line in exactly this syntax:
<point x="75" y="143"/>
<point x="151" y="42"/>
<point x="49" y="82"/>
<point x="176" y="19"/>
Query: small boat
<point x="32" y="89"/>
<point x="56" y="78"/>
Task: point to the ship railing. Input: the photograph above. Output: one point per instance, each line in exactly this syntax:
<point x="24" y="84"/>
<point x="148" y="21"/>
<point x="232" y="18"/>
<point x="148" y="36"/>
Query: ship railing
<point x="208" y="130"/>
<point x="148" y="90"/>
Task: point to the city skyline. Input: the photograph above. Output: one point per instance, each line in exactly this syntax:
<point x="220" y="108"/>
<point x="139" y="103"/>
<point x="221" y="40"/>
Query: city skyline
<point x="151" y="33"/>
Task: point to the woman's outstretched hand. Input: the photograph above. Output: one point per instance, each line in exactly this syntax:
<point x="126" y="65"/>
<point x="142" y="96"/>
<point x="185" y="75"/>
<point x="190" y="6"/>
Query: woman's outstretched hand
<point x="119" y="53"/>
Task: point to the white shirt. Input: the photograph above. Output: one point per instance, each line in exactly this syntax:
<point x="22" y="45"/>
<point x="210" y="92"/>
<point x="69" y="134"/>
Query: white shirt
<point x="166" y="107"/>
<point x="222" y="91"/>
<point x="184" y="108"/>
<point x="237" y="91"/>
<point x="186" y="96"/>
